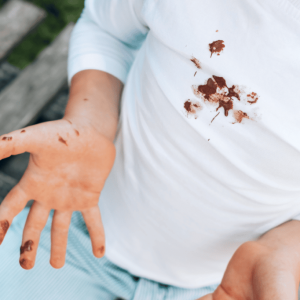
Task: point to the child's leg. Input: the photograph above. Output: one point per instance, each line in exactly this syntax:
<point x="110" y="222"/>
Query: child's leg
<point x="82" y="277"/>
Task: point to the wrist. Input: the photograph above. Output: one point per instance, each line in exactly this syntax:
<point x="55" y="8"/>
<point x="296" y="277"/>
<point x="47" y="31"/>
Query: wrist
<point x="106" y="125"/>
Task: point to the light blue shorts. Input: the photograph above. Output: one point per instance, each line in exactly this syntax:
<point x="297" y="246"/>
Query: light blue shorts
<point x="83" y="277"/>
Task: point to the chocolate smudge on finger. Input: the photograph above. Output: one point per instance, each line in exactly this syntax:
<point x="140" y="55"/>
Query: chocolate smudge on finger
<point x="101" y="250"/>
<point x="26" y="264"/>
<point x="216" y="47"/>
<point x="22" y="131"/>
<point x="4" y="225"/>
<point x="27" y="247"/>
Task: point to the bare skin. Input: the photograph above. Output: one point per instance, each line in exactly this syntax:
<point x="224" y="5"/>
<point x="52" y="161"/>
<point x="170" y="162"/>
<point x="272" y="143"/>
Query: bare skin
<point x="70" y="160"/>
<point x="265" y="269"/>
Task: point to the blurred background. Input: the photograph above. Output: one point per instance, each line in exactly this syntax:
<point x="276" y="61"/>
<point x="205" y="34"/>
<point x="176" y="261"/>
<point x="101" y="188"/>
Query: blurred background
<point x="34" y="38"/>
<point x="59" y="14"/>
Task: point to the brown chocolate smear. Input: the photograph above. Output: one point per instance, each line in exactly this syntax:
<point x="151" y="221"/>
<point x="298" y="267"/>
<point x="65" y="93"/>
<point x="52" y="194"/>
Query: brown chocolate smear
<point x="208" y="89"/>
<point x="4" y="225"/>
<point x="227" y="105"/>
<point x="221" y="82"/>
<point x="252" y="98"/>
<point x="232" y="93"/>
<point x="22" y="131"/>
<point x="62" y="141"/>
<point x="192" y="107"/>
<point x="196" y="62"/>
<point x="214" y="117"/>
<point x="102" y="250"/>
<point x="77" y="132"/>
<point x="195" y="73"/>
<point x="217" y="30"/>
<point x="240" y="115"/>
<point x="25" y="263"/>
<point x="9" y="138"/>
<point x="4" y="138"/>
<point x="216" y="47"/>
<point x="27" y="247"/>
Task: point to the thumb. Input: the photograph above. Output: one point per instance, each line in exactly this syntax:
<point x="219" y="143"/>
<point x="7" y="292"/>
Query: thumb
<point x="19" y="141"/>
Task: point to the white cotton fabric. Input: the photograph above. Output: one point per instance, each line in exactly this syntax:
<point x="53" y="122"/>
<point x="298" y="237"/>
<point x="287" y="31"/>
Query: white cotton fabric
<point x="186" y="192"/>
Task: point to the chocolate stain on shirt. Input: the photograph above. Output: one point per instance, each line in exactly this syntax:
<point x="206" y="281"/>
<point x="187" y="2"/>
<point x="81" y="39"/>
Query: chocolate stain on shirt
<point x="192" y="107"/>
<point x="227" y="105"/>
<point x="196" y="62"/>
<point x="214" y="117"/>
<point x="216" y="91"/>
<point x="27" y="247"/>
<point x="22" y="131"/>
<point x="216" y="47"/>
<point x="62" y="140"/>
<point x="195" y="73"/>
<point x="221" y="82"/>
<point x="4" y="225"/>
<point x="240" y="115"/>
<point x="234" y="92"/>
<point x="252" y="98"/>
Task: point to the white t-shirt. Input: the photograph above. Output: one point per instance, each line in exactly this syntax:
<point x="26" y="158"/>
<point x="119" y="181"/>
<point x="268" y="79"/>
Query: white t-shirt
<point x="208" y="147"/>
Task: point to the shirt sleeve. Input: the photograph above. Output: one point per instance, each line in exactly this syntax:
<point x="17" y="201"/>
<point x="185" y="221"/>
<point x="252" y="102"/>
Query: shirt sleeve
<point x="106" y="37"/>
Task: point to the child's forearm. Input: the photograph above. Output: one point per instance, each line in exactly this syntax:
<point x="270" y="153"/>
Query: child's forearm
<point x="94" y="99"/>
<point x="283" y="242"/>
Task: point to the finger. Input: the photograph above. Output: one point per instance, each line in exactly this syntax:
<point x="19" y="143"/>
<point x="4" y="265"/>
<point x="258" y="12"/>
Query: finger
<point x="36" y="221"/>
<point x="22" y="140"/>
<point x="92" y="218"/>
<point x="59" y="238"/>
<point x="12" y="204"/>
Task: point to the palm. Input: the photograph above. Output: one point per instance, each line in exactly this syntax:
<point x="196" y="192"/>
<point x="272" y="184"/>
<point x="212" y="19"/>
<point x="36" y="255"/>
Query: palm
<point x="68" y="166"/>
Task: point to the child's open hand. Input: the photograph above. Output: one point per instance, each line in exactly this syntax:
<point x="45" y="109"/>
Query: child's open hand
<point x="257" y="273"/>
<point x="68" y="166"/>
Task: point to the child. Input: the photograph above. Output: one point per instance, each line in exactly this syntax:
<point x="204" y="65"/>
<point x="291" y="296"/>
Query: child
<point x="207" y="158"/>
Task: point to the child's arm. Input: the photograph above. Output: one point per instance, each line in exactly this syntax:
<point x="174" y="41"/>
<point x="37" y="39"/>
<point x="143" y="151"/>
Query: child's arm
<point x="69" y="163"/>
<point x="268" y="268"/>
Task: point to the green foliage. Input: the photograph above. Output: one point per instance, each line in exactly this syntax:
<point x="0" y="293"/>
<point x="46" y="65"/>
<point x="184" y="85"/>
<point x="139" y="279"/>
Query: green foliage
<point x="59" y="14"/>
